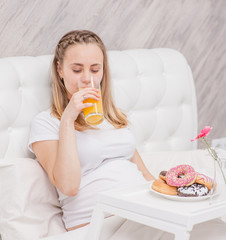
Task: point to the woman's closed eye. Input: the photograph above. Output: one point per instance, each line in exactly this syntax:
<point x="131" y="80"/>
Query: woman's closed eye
<point x="76" y="70"/>
<point x="94" y="70"/>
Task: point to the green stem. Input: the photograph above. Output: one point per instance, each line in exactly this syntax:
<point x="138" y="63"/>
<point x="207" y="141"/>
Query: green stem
<point x="222" y="172"/>
<point x="215" y="157"/>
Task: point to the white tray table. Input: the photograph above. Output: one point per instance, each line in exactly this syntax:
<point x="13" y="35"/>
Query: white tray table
<point x="139" y="204"/>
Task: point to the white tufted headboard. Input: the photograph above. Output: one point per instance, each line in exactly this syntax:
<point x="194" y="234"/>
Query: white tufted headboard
<point x="154" y="86"/>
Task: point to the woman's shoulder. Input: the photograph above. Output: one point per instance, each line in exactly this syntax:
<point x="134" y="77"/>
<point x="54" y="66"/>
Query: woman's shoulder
<point x="47" y="117"/>
<point x="43" y="127"/>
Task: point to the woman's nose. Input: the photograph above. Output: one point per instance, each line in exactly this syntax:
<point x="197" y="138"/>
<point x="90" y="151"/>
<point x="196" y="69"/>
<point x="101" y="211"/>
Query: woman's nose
<point x="86" y="77"/>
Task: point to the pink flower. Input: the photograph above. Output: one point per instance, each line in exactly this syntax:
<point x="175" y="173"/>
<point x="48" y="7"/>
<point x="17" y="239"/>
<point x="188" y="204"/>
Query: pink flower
<point x="204" y="132"/>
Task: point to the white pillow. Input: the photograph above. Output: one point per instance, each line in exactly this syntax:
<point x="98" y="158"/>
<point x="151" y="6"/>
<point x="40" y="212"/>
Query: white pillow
<point x="29" y="207"/>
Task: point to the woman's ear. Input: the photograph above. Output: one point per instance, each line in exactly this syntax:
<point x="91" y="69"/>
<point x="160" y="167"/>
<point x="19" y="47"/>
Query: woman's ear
<point x="59" y="70"/>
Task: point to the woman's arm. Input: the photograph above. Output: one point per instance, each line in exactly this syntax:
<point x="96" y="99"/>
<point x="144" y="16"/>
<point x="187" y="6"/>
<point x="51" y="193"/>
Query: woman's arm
<point x="60" y="159"/>
<point x="140" y="165"/>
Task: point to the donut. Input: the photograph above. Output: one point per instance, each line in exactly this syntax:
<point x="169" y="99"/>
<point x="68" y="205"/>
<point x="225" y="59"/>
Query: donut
<point x="205" y="180"/>
<point x="162" y="175"/>
<point x="181" y="175"/>
<point x="160" y="185"/>
<point x="194" y="190"/>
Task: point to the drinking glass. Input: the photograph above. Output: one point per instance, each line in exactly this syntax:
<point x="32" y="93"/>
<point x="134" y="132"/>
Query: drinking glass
<point x="93" y="115"/>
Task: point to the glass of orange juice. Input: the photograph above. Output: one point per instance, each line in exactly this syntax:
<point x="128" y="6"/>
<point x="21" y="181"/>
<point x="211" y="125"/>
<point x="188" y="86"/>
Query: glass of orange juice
<point x="93" y="115"/>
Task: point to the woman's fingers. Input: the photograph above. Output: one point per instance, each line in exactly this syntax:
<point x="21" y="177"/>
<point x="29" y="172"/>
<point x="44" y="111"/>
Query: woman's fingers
<point x="89" y="91"/>
<point x="77" y="103"/>
<point x="90" y="96"/>
<point x="86" y="105"/>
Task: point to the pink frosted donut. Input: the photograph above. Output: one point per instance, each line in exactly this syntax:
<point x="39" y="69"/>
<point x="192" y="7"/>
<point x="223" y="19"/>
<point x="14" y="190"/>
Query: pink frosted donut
<point x="204" y="180"/>
<point x="187" y="173"/>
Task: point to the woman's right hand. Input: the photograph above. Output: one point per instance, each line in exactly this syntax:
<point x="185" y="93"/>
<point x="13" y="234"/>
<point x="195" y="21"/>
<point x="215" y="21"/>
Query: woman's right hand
<point x="76" y="104"/>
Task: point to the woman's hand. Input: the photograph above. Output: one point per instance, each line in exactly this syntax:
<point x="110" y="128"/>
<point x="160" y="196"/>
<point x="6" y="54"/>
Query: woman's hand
<point x="76" y="103"/>
<point x="141" y="166"/>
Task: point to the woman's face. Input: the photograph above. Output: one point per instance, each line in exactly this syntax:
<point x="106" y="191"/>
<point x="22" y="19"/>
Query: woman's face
<point x="80" y="62"/>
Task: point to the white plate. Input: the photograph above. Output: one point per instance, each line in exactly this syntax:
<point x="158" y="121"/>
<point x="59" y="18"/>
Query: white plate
<point x="178" y="198"/>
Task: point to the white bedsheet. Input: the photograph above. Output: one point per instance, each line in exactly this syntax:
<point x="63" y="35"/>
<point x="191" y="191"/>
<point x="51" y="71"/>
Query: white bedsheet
<point x="116" y="228"/>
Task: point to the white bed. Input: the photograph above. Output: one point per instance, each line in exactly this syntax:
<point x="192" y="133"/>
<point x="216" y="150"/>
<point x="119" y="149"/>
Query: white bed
<point x="154" y="86"/>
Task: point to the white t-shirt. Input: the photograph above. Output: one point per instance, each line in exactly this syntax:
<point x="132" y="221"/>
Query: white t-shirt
<point x="104" y="155"/>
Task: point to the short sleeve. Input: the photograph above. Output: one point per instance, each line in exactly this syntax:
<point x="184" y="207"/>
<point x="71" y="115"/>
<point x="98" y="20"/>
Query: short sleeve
<point x="44" y="127"/>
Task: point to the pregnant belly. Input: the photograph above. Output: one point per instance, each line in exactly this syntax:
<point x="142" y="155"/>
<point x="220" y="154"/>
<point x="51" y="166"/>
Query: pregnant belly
<point x="115" y="174"/>
<point x="112" y="174"/>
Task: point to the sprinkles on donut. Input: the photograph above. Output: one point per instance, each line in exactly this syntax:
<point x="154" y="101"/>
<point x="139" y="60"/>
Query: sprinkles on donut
<point x="183" y="181"/>
<point x="181" y="175"/>
<point x="194" y="190"/>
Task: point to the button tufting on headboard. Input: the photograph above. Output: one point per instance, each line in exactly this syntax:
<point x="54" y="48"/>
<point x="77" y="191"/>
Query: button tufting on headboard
<point x="153" y="86"/>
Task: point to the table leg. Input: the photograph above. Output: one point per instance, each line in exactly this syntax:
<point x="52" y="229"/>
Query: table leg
<point x="182" y="235"/>
<point x="96" y="223"/>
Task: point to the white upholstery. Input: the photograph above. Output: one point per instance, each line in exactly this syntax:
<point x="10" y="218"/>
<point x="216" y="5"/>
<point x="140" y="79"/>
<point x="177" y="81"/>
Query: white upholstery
<point x="156" y="88"/>
<point x="153" y="86"/>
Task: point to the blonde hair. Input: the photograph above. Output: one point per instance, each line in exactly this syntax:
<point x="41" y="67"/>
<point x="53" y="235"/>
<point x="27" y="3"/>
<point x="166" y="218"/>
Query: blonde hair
<point x="60" y="100"/>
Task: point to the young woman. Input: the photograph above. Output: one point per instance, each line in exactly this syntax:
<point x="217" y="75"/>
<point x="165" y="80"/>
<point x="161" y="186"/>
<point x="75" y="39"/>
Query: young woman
<point x="83" y="160"/>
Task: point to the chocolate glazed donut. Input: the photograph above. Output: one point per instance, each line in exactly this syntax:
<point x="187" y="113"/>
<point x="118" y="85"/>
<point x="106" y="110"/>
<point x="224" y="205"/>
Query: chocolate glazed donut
<point x="194" y="190"/>
<point x="162" y="175"/>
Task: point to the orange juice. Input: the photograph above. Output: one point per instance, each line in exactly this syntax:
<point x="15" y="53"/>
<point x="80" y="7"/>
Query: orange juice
<point x="94" y="115"/>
